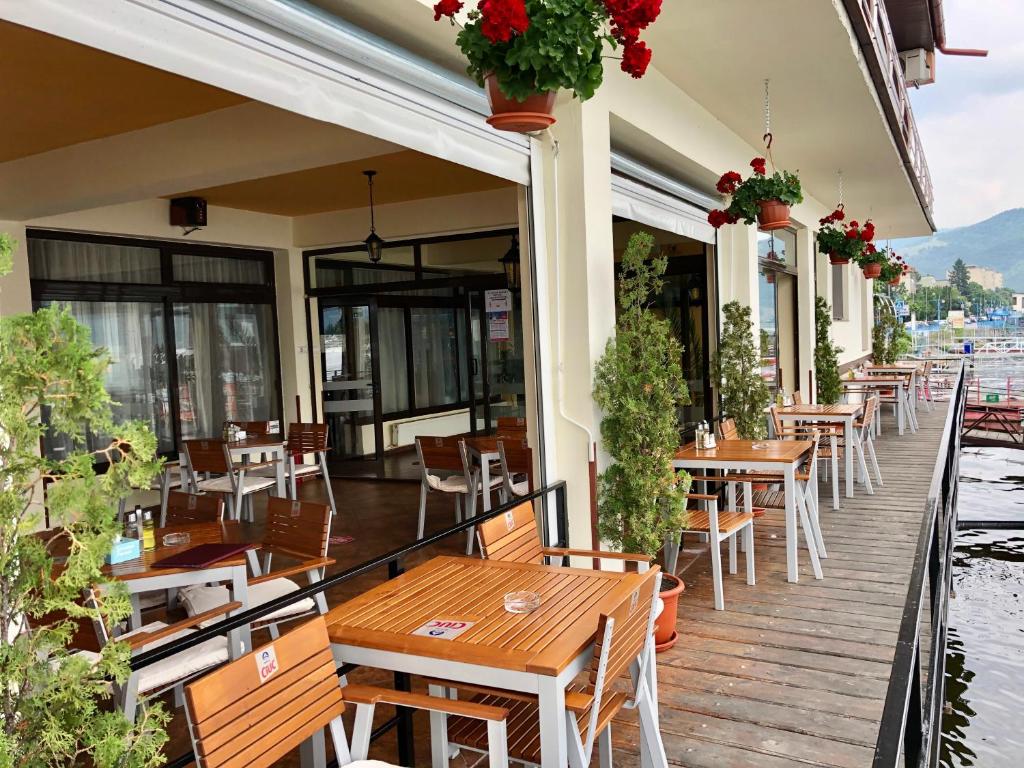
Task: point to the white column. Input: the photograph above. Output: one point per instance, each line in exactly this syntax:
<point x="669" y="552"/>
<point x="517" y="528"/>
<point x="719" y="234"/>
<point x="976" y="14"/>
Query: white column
<point x="806" y="264"/>
<point x="291" y="329"/>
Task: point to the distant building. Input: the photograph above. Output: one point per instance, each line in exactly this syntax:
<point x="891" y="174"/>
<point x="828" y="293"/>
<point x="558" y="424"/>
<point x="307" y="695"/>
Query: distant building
<point x="1018" y="302"/>
<point x="989" y="279"/>
<point x="930" y="281"/>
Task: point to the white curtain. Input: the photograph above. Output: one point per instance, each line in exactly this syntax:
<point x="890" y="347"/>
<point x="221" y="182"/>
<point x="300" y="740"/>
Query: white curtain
<point x="92" y="262"/>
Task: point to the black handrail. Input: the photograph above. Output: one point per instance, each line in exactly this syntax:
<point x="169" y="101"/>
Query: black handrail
<point x="392" y="560"/>
<point x="911" y="716"/>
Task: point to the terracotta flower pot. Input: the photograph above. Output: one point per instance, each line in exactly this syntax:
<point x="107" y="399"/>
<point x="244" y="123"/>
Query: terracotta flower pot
<point x="665" y="634"/>
<point x="533" y="114"/>
<point x="773" y="214"/>
<point x="871" y="271"/>
<point x="894" y="281"/>
<point x="769" y="277"/>
<point x="836" y="259"/>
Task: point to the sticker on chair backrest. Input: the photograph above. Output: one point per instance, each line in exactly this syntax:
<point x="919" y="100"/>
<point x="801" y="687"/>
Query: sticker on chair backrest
<point x="273" y="427"/>
<point x="443" y="629"/>
<point x="296" y="508"/>
<point x="204" y="444"/>
<point x="438" y="442"/>
<point x="266" y="663"/>
<point x="634" y="599"/>
<point x="510" y="520"/>
<point x="192" y="501"/>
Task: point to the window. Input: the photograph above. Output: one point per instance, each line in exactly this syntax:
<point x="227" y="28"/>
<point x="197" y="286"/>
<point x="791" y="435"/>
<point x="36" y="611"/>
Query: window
<point x="435" y="357"/>
<point x="185" y="356"/>
<point x="838" y="292"/>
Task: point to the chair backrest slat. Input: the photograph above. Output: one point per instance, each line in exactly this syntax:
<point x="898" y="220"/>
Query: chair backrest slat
<point x="776" y="421"/>
<point x="189" y="508"/>
<point x="252" y="428"/>
<point x="512" y="537"/>
<point x="306" y="437"/>
<point x="441" y="453"/>
<point x="247" y="714"/>
<point x="511" y="426"/>
<point x="629" y="632"/>
<point x="518" y="457"/>
<point x="870" y="405"/>
<point x="207" y="455"/>
<point x="299" y="526"/>
<point x="727" y="429"/>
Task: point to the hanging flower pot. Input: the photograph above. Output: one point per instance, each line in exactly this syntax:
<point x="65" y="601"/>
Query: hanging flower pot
<point x="871" y="270"/>
<point x="895" y="281"/>
<point x="772" y="214"/>
<point x="531" y="114"/>
<point x="769" y="277"/>
<point x="836" y="258"/>
<point x="762" y="198"/>
<point x="843" y="243"/>
<point x="565" y="49"/>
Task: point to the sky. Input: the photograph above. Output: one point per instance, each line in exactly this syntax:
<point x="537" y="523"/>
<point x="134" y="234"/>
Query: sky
<point x="971" y="120"/>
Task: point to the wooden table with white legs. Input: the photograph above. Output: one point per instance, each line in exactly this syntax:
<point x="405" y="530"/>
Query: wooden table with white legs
<point x="537" y="653"/>
<point x="776" y="456"/>
<point x="901" y="385"/>
<point x="846" y="413"/>
<point x="272" y="445"/>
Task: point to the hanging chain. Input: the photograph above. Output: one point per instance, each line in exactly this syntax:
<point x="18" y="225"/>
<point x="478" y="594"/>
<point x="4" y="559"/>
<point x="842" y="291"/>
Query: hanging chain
<point x="840" y="206"/>
<point x="767" y="138"/>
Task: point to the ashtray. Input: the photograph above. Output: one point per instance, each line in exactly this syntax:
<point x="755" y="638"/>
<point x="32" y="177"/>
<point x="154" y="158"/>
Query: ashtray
<point x="522" y="602"/>
<point x="176" y="539"/>
<point x="760" y="446"/>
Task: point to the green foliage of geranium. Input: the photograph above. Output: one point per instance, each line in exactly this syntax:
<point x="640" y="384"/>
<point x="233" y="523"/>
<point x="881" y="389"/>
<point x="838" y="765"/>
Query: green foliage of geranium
<point x="561" y="48"/>
<point x="639" y="385"/>
<point x="826" y="355"/>
<point x="55" y="707"/>
<point x="871" y="255"/>
<point x="737" y="369"/>
<point x="746" y="196"/>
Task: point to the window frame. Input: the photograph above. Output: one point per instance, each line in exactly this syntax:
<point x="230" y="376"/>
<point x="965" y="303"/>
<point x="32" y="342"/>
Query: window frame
<point x="168" y="292"/>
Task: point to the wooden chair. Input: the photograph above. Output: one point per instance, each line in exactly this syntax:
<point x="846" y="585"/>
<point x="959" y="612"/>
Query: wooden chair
<point x="704" y="517"/>
<point x="516" y="462"/>
<point x="252" y="428"/>
<point x="172" y="475"/>
<point x="296" y="531"/>
<point x="511" y="426"/>
<point x="254" y="711"/>
<point x="727" y="429"/>
<point x="798" y="398"/>
<point x="624" y="644"/>
<point x="189" y="509"/>
<point x="925" y="385"/>
<point x="514" y="537"/>
<point x="447" y="456"/>
<point x="866" y="440"/>
<point x="304" y="439"/>
<point x="237" y="481"/>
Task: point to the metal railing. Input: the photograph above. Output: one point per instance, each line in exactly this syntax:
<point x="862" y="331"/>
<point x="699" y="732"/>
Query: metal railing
<point x="910" y="730"/>
<point x="402" y="721"/>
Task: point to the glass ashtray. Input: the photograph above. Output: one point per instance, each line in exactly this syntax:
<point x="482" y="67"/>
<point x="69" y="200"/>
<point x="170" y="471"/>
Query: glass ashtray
<point x="760" y="446"/>
<point x="176" y="539"/>
<point x="522" y="602"/>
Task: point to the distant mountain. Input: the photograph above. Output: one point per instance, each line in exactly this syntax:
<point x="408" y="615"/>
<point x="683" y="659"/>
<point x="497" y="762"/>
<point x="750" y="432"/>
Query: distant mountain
<point x="997" y="243"/>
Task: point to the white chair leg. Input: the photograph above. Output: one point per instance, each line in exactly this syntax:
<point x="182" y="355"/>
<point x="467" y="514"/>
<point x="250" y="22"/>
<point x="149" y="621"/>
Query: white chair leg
<point x="748" y="537"/>
<point x="237" y="513"/>
<point x="716" y="573"/>
<point x="809" y="536"/>
<point x="863" y="466"/>
<point x="874" y="462"/>
<point x="812" y="514"/>
<point x="497" y="744"/>
<point x="423" y="512"/>
<point x="604" y="747"/>
<point x="470" y="513"/>
<point x="732" y="553"/>
<point x="458" y="508"/>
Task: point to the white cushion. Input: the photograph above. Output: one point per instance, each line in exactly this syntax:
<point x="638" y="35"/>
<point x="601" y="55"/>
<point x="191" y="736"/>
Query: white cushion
<point x="457" y="483"/>
<point x="300" y="471"/>
<point x="149" y="600"/>
<point x="521" y="488"/>
<point x="251" y="484"/>
<point x="181" y="665"/>
<point x="201" y="599"/>
<point x="369" y="764"/>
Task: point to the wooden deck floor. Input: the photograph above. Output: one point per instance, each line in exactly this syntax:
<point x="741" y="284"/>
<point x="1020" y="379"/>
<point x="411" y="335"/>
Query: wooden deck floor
<point x="795" y="674"/>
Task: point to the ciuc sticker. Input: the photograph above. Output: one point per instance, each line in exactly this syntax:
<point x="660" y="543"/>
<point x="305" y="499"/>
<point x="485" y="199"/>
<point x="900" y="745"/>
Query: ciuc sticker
<point x="443" y="629"/>
<point x="266" y="663"/>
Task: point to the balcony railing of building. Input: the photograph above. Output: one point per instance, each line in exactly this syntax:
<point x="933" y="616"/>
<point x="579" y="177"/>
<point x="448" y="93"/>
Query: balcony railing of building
<point x="910" y="731"/>
<point x="871" y="23"/>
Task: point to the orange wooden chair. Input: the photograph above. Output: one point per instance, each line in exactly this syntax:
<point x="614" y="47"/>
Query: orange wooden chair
<point x="211" y="459"/>
<point x="190" y="509"/>
<point x="253" y="712"/>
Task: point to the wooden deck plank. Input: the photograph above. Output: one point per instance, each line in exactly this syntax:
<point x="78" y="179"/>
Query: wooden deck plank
<point x="796" y="674"/>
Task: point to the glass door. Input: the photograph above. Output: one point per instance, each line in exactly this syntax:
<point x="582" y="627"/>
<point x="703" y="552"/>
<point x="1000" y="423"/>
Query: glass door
<point x="350" y="362"/>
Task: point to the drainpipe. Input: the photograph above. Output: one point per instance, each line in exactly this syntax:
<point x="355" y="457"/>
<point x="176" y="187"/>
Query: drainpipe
<point x="939" y="28"/>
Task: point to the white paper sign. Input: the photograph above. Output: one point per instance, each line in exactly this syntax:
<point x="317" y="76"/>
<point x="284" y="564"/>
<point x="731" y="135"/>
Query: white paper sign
<point x="266" y="663"/>
<point x="497" y="326"/>
<point x="443" y="629"/>
<point x="499" y="300"/>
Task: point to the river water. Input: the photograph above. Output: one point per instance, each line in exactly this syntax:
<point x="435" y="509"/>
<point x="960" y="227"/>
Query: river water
<point x="984" y="720"/>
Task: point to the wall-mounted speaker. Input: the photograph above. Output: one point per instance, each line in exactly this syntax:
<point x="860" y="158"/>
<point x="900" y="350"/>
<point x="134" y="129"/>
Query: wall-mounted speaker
<point x="188" y="212"/>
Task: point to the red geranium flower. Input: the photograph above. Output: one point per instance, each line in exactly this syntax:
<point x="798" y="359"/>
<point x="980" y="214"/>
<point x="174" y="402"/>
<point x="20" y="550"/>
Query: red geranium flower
<point x="629" y="17"/>
<point x="635" y="58"/>
<point x="727" y="184"/>
<point x="838" y="214"/>
<point x="446" y="8"/>
<point x="717" y="218"/>
<point x="501" y="18"/>
<point x="758" y="164"/>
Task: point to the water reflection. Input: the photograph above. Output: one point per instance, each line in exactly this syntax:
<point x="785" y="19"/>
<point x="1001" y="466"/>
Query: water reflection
<point x="985" y="650"/>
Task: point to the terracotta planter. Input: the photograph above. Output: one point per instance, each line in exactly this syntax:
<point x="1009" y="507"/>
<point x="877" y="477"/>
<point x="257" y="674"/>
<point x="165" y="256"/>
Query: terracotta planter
<point x="894" y="281"/>
<point x="871" y="271"/>
<point x="773" y="214"/>
<point x="533" y="114"/>
<point x="834" y="259"/>
<point x="769" y="277"/>
<point x="665" y="634"/>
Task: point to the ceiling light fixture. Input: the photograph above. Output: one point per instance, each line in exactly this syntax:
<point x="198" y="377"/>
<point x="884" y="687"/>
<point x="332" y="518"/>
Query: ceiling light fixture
<point x="510" y="263"/>
<point x="374" y="242"/>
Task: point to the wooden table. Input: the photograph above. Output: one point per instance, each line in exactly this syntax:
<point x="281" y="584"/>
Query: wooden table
<point x="840" y="412"/>
<point x="901" y="385"/>
<point x="777" y="456"/>
<point x="272" y="445"/>
<point x="537" y="653"/>
<point x="140" y="576"/>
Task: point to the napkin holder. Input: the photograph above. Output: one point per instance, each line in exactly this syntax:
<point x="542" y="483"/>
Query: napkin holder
<point x="124" y="550"/>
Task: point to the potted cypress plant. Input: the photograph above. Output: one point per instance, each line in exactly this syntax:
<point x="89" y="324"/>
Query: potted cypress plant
<point x="737" y="368"/>
<point x="524" y="51"/>
<point x="53" y="708"/>
<point x="766" y="199"/>
<point x="639" y="385"/>
<point x="828" y="383"/>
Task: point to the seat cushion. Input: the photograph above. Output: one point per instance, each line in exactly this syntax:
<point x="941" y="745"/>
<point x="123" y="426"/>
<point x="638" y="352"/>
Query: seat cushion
<point x="251" y="484"/>
<point x="181" y="665"/>
<point x="451" y="484"/>
<point x="199" y="599"/>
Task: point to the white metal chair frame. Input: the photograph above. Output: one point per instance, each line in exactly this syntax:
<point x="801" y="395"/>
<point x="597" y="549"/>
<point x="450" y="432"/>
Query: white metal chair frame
<point x="237" y="475"/>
